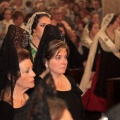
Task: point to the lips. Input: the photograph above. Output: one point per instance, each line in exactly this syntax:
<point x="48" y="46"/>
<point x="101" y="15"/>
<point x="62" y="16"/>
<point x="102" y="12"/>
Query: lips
<point x="63" y="67"/>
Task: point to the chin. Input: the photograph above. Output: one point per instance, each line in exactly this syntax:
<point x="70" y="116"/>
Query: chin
<point x="32" y="86"/>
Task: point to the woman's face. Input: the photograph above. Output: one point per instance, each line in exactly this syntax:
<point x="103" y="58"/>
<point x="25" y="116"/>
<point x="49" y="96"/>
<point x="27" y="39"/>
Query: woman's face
<point x="95" y="18"/>
<point x="95" y="29"/>
<point x="58" y="63"/>
<point x="26" y="80"/>
<point x="19" y="21"/>
<point x="41" y="25"/>
<point x="7" y="14"/>
<point x="116" y="24"/>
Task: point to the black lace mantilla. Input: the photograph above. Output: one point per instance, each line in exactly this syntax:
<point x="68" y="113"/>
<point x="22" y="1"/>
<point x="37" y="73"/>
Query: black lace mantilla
<point x="16" y="37"/>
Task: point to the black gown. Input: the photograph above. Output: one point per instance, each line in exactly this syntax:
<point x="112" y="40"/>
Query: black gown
<point x="7" y="112"/>
<point x="73" y="100"/>
<point x="109" y="68"/>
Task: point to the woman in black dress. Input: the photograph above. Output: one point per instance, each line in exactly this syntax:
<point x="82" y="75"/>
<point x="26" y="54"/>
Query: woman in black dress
<point x="16" y="72"/>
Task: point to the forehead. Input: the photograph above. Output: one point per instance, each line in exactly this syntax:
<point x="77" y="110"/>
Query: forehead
<point x="95" y="25"/>
<point x="57" y="10"/>
<point x="95" y="16"/>
<point x="44" y="19"/>
<point x="8" y="11"/>
<point x="60" y="51"/>
<point x="25" y="63"/>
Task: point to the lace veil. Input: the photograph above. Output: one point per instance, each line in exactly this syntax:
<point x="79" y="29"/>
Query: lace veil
<point x="50" y="33"/>
<point x="9" y="66"/>
<point x="86" y="82"/>
<point x="32" y="20"/>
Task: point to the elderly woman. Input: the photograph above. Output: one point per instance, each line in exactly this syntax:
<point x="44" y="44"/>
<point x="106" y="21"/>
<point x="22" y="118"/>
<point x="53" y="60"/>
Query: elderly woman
<point x="16" y="73"/>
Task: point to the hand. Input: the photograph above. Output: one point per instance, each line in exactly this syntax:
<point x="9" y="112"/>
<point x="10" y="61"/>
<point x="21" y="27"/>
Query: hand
<point x="44" y="73"/>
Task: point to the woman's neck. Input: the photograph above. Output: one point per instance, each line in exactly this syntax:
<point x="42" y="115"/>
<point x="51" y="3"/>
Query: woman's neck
<point x="110" y="32"/>
<point x="57" y="77"/>
<point x="92" y="36"/>
<point x="36" y="42"/>
<point x="7" y="20"/>
<point x="19" y="97"/>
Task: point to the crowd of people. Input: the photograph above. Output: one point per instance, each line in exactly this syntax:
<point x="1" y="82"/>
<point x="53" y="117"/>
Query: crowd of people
<point x="38" y="44"/>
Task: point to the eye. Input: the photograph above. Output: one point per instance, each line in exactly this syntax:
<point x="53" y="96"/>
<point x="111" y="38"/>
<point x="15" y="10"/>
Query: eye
<point x="58" y="57"/>
<point x="27" y="71"/>
<point x="42" y="24"/>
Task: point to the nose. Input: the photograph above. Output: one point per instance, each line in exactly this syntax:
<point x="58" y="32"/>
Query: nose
<point x="64" y="61"/>
<point x="33" y="74"/>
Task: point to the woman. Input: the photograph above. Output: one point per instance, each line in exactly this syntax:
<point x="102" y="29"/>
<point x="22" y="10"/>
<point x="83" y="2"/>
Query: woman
<point x="24" y="81"/>
<point x="108" y="38"/>
<point x="75" y="60"/>
<point x="93" y="104"/>
<point x="43" y="104"/>
<point x="95" y="18"/>
<point x="56" y="61"/>
<point x="16" y="74"/>
<point x="39" y="24"/>
<point x="35" y="27"/>
<point x="7" y="18"/>
<point x="50" y="33"/>
<point x="4" y="23"/>
<point x="88" y="39"/>
<point x="110" y="54"/>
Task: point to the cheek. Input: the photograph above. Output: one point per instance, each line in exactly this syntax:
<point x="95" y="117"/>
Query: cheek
<point x="39" y="31"/>
<point x="52" y="65"/>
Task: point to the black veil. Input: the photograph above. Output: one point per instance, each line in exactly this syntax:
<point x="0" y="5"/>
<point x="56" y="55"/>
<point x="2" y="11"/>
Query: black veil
<point x="50" y="33"/>
<point x="36" y="107"/>
<point x="16" y="37"/>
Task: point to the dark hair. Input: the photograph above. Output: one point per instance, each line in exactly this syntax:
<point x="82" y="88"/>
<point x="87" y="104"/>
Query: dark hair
<point x="28" y="3"/>
<point x="22" y="54"/>
<point x="90" y="25"/>
<point x="60" y="25"/>
<point x="5" y="9"/>
<point x="113" y="19"/>
<point x="27" y="17"/>
<point x="54" y="46"/>
<point x="36" y="19"/>
<point x="17" y="14"/>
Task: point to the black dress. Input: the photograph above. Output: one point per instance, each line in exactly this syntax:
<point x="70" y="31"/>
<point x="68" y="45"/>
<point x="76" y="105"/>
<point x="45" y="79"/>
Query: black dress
<point x="73" y="100"/>
<point x="109" y="68"/>
<point x="7" y="112"/>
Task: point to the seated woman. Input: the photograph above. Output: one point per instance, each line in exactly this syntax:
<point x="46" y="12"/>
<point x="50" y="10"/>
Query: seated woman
<point x="43" y="104"/>
<point x="88" y="40"/>
<point x="75" y="59"/>
<point x="16" y="74"/>
<point x="56" y="61"/>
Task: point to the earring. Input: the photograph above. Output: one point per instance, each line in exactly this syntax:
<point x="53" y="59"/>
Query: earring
<point x="46" y="66"/>
<point x="34" y="34"/>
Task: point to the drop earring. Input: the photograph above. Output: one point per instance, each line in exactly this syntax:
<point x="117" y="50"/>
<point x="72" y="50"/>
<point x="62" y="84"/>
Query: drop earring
<point x="34" y="34"/>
